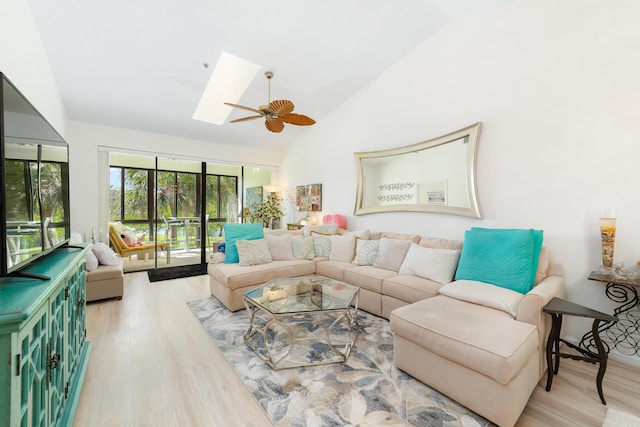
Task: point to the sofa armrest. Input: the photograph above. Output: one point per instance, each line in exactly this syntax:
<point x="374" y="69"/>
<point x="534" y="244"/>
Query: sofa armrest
<point x="530" y="308"/>
<point x="217" y="258"/>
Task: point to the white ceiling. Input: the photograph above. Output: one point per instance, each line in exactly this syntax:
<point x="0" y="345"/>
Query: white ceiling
<point x="139" y="64"/>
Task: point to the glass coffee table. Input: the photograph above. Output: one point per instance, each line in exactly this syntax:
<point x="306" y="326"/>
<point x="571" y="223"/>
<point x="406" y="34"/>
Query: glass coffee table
<point x="302" y="321"/>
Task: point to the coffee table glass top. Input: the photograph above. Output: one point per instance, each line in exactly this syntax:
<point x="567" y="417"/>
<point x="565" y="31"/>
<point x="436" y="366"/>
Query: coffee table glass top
<point x="303" y="294"/>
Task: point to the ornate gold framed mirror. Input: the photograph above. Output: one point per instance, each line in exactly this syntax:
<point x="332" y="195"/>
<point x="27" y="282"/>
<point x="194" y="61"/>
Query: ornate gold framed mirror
<point x="438" y="175"/>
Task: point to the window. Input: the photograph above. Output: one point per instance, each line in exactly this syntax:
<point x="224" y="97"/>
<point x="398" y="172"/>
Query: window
<point x="179" y="194"/>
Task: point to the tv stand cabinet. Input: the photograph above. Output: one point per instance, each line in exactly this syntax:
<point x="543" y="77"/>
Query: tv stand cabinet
<point x="43" y="340"/>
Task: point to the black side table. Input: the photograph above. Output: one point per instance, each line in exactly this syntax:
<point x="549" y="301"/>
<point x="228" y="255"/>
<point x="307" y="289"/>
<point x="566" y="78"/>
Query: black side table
<point x="624" y="335"/>
<point x="558" y="307"/>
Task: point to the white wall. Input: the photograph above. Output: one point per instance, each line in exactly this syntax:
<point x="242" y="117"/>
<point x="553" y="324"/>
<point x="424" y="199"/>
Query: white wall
<point x="556" y="87"/>
<point x="24" y="61"/>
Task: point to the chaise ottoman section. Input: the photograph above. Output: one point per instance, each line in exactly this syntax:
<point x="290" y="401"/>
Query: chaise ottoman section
<point x="479" y="356"/>
<point x="228" y="282"/>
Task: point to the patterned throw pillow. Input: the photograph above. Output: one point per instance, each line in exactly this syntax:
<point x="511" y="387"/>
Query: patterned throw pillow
<point x="302" y="247"/>
<point x="321" y="244"/>
<point x="366" y="251"/>
<point x="253" y="252"/>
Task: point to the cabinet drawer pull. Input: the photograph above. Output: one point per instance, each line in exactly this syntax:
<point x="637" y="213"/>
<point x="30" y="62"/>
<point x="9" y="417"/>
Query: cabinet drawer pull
<point x="53" y="361"/>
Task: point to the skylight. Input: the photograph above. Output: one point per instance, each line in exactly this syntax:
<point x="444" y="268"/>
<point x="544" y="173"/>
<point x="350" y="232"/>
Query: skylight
<point x="229" y="80"/>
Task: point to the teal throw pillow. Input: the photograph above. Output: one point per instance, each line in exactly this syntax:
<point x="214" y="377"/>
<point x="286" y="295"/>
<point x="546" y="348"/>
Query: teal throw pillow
<point x="234" y="232"/>
<point x="537" y="246"/>
<point x="502" y="257"/>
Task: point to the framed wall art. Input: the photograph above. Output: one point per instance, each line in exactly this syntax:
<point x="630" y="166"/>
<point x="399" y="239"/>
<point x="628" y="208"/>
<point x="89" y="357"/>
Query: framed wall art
<point x="309" y="198"/>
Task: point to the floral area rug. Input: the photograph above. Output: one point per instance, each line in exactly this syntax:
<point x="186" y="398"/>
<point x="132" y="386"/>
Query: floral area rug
<point x="366" y="390"/>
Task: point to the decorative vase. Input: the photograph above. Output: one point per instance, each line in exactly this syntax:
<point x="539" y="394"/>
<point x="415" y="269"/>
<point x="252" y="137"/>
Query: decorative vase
<point x="607" y="235"/>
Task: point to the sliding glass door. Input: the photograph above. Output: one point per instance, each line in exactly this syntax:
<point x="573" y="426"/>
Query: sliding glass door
<point x="176" y="207"/>
<point x="179" y="211"/>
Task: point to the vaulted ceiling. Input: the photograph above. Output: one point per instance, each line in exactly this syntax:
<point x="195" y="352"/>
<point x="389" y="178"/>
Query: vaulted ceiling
<point x="140" y="64"/>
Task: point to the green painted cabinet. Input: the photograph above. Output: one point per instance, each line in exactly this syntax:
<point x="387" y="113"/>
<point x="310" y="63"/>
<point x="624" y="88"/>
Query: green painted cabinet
<point x="42" y="334"/>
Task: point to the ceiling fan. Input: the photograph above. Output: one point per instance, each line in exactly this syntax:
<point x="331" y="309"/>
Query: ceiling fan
<point x="276" y="113"/>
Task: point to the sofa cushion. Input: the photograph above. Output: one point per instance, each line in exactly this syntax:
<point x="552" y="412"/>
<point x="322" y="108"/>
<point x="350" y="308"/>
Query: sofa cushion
<point x="484" y="294"/>
<point x="439" y="243"/>
<point x="496" y="346"/>
<point x="333" y="269"/>
<point x="410" y="288"/>
<point x="391" y="253"/>
<point x="414" y="238"/>
<point x="342" y="248"/>
<point x="368" y="277"/>
<point x="360" y="234"/>
<point x="323" y="229"/>
<point x="234" y="232"/>
<point x="366" y="251"/>
<point x="253" y="252"/>
<point x="505" y="258"/>
<point x="235" y="276"/>
<point x="430" y="263"/>
<point x="279" y="247"/>
<point x="106" y="272"/>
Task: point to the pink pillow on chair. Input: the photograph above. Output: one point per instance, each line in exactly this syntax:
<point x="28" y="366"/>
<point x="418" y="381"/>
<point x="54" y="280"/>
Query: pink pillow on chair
<point x="335" y="219"/>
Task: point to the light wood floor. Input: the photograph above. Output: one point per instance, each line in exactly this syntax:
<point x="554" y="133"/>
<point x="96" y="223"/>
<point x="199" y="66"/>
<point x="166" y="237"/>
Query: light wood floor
<point x="152" y="364"/>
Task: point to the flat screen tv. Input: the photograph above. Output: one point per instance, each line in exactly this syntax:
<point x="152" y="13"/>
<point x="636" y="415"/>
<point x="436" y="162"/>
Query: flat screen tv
<point x="34" y="184"/>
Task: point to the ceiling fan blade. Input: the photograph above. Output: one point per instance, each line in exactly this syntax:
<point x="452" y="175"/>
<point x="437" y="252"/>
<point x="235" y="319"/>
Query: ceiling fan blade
<point x="281" y="106"/>
<point x="297" y="119"/>
<point x="274" y="125"/>
<point x="245" y="119"/>
<point x="242" y="107"/>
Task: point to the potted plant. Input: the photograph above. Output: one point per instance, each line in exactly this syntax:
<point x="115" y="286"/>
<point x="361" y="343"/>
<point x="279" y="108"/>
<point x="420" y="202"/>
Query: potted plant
<point x="268" y="212"/>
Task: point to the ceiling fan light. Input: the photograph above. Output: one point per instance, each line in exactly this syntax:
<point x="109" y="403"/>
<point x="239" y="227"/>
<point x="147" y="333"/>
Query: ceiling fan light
<point x="229" y="80"/>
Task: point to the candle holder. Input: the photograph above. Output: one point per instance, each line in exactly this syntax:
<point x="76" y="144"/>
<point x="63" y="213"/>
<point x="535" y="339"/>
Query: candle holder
<point x="607" y="235"/>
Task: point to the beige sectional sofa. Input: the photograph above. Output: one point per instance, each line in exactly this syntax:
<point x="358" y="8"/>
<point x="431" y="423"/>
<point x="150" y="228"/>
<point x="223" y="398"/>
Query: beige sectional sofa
<point x="106" y="281"/>
<point x="483" y="348"/>
<point x="105" y="273"/>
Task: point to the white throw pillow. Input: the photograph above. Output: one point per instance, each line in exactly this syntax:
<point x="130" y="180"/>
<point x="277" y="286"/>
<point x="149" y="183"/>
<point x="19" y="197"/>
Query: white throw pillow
<point x="321" y="244"/>
<point x="253" y="252"/>
<point x="391" y="253"/>
<point x="279" y="247"/>
<point x="342" y="248"/>
<point x="434" y="264"/>
<point x="91" y="261"/>
<point x="324" y="229"/>
<point x="105" y="254"/>
<point x="366" y="251"/>
<point x="302" y="247"/>
<point x="484" y="294"/>
<point x="217" y="258"/>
